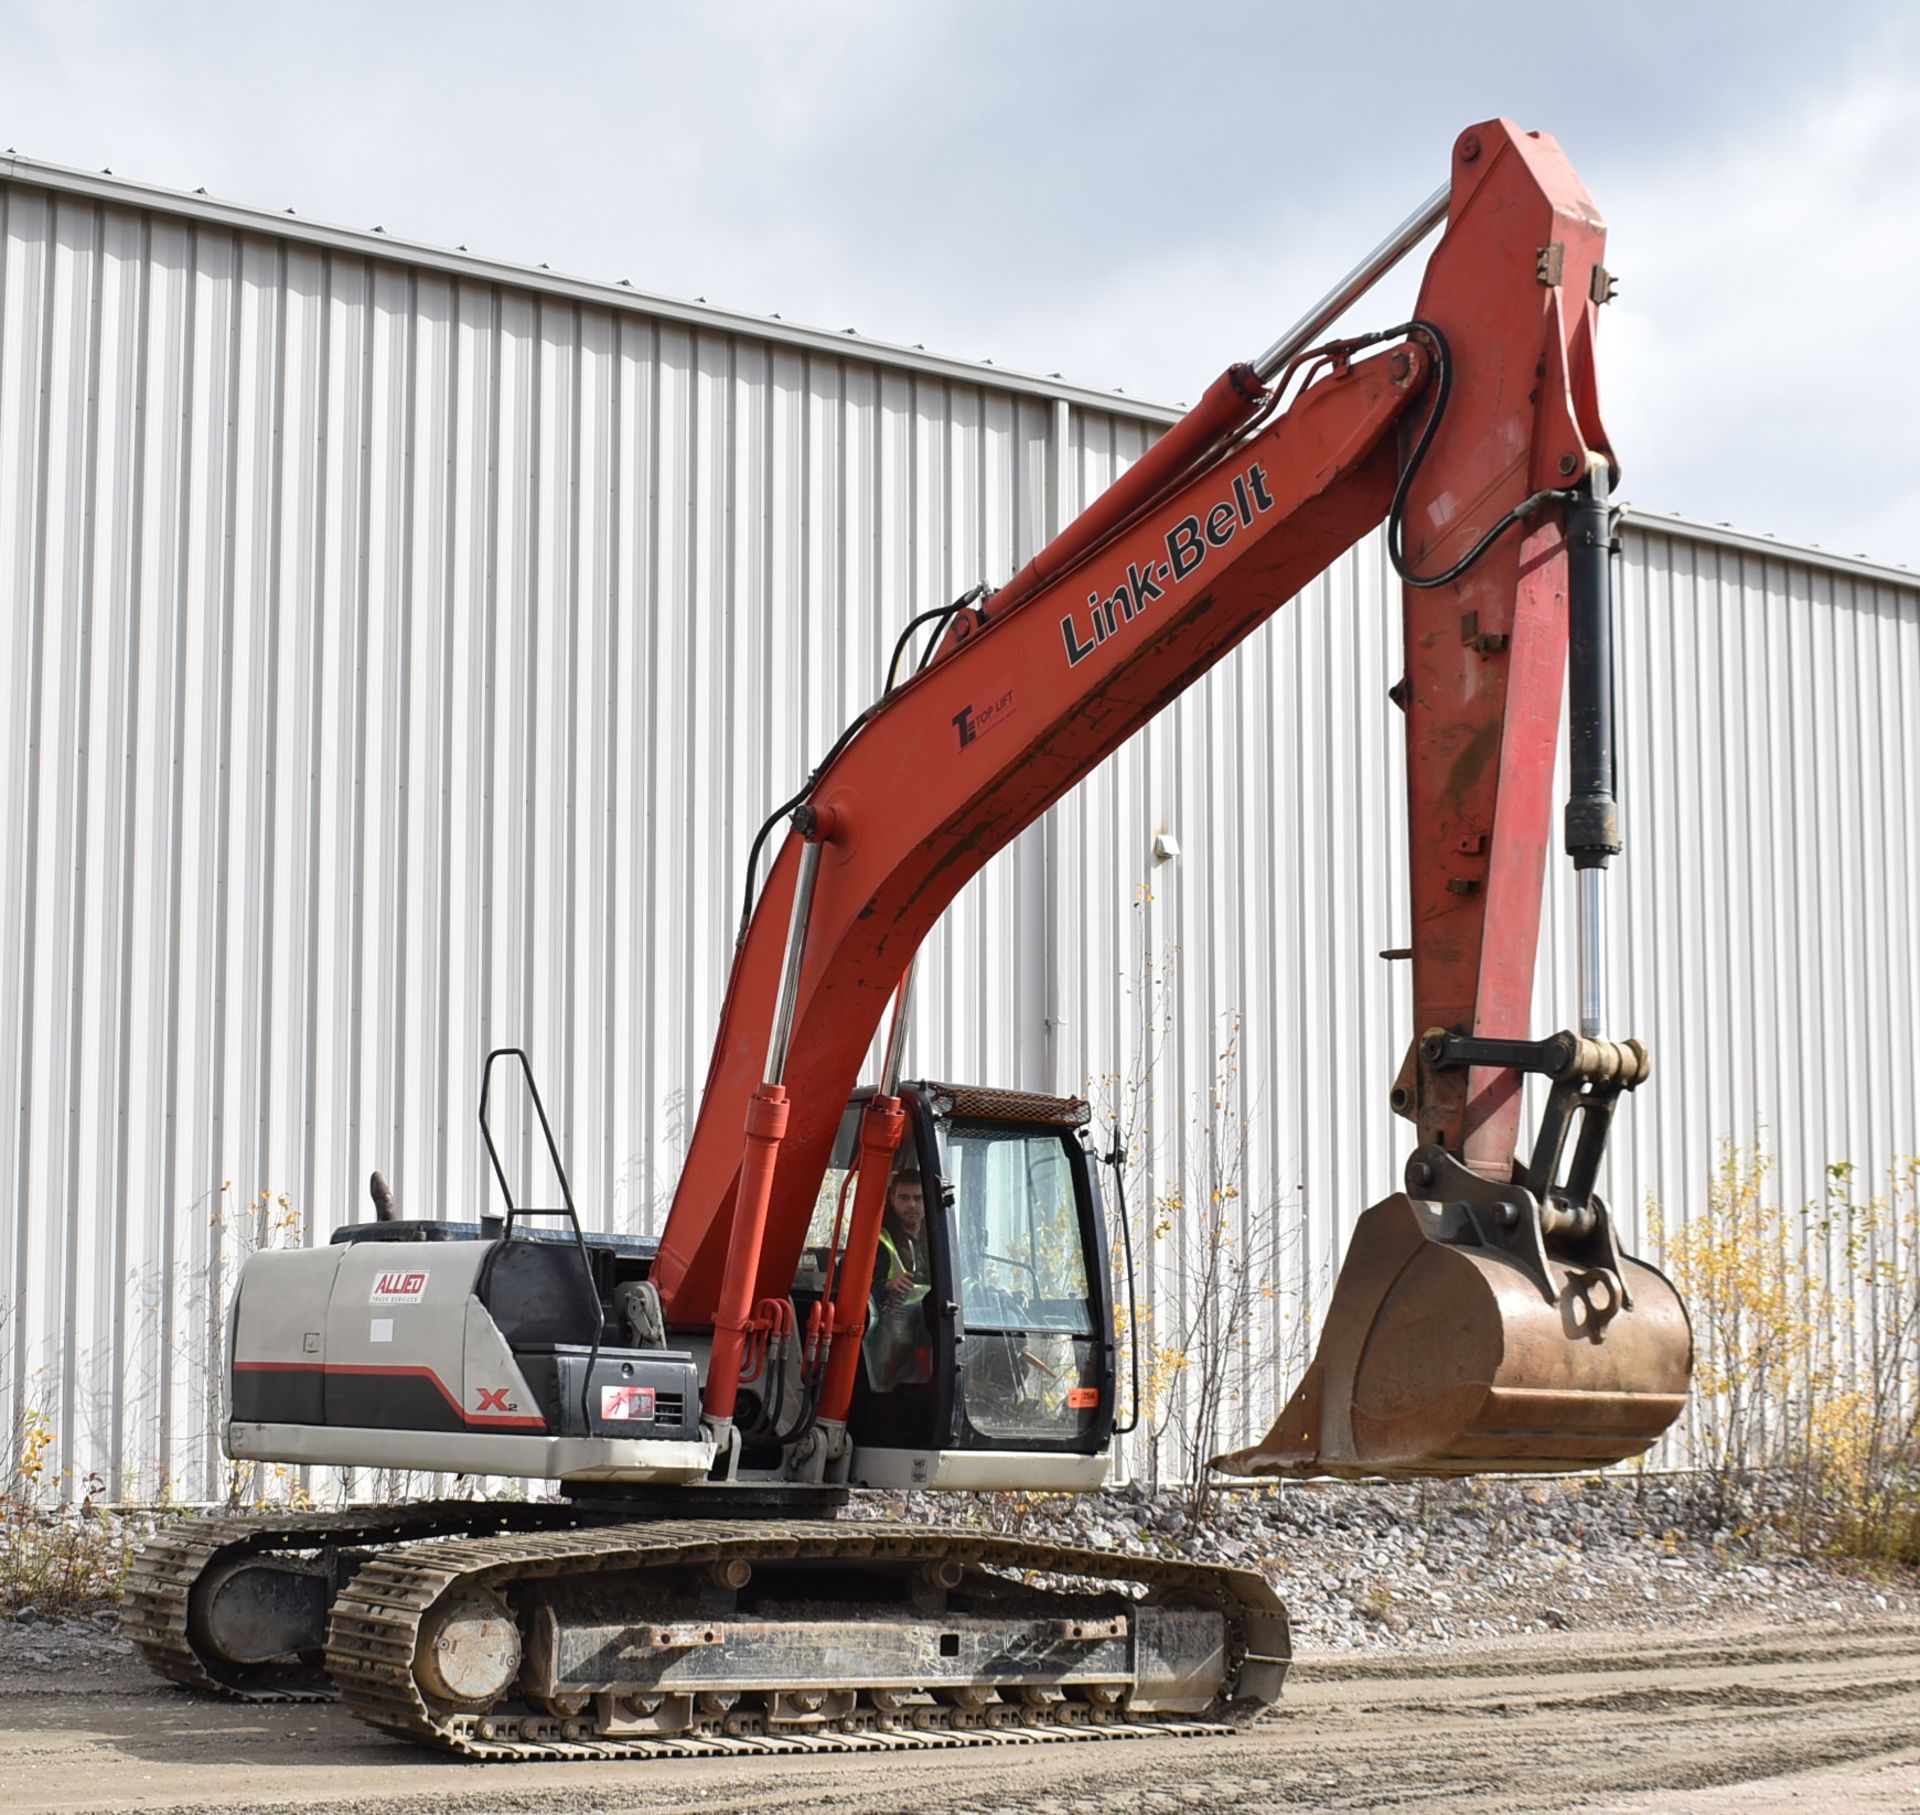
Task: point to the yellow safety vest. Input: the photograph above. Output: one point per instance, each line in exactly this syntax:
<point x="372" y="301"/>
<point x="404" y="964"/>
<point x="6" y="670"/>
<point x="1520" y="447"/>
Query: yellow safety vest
<point x="896" y="1266"/>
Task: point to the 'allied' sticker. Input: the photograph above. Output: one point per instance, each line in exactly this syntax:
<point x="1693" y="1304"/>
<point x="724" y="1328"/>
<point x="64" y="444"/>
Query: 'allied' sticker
<point x="630" y="1402"/>
<point x="399" y="1288"/>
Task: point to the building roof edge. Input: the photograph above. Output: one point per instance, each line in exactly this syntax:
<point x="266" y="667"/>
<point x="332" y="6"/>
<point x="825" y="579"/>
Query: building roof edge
<point x="102" y="187"/>
<point x="1721" y="535"/>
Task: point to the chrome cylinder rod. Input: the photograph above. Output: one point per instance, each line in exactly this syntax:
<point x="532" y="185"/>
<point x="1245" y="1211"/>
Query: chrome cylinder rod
<point x="1357" y="282"/>
<point x="790" y="972"/>
<point x="897" y="1032"/>
<point x="1592" y="951"/>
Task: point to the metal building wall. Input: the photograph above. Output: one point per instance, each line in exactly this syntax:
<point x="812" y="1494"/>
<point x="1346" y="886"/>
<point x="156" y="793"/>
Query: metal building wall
<point x="397" y="654"/>
<point x="397" y="664"/>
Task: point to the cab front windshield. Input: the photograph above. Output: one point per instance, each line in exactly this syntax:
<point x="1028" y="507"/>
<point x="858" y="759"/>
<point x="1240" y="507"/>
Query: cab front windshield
<point x="1030" y="1361"/>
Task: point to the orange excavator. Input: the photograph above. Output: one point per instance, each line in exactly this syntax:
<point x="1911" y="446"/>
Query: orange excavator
<point x="907" y="1283"/>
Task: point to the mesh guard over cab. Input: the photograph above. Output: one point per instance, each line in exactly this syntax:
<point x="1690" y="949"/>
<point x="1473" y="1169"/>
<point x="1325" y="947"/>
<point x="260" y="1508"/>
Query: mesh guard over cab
<point x="972" y="1103"/>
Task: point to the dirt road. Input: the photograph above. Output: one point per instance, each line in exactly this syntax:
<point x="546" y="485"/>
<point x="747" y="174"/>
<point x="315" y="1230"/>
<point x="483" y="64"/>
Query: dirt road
<point x="1755" y="1721"/>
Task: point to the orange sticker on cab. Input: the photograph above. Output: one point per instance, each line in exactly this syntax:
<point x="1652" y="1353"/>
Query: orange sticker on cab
<point x="1082" y="1398"/>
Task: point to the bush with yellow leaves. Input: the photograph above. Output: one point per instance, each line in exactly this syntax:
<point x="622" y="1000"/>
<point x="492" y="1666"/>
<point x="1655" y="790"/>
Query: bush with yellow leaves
<point x="58" y="1559"/>
<point x="1806" y="1327"/>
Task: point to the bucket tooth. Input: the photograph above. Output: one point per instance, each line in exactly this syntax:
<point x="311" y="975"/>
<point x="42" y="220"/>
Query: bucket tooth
<point x="1445" y="1354"/>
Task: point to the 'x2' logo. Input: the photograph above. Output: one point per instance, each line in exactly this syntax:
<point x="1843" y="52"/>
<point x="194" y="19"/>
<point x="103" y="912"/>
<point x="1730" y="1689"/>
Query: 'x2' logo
<point x="494" y="1399"/>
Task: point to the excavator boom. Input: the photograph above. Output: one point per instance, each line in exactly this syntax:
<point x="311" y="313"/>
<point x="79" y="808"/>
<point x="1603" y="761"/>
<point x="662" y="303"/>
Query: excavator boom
<point x="970" y="752"/>
<point x="1474" y="430"/>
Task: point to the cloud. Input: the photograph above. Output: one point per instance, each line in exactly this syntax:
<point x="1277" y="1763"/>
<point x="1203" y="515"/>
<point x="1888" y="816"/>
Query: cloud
<point x="1758" y="364"/>
<point x="1127" y="194"/>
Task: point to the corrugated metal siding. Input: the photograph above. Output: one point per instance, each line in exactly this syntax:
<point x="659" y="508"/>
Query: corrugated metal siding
<point x="397" y="661"/>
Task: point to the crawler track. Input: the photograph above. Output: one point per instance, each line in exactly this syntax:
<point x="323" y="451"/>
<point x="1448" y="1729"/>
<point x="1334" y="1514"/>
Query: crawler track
<point x="376" y="1623"/>
<point x="160" y="1589"/>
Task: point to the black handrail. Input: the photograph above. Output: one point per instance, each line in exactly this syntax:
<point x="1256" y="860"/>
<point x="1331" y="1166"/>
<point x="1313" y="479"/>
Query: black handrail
<point x="1116" y="1159"/>
<point x="566" y="1209"/>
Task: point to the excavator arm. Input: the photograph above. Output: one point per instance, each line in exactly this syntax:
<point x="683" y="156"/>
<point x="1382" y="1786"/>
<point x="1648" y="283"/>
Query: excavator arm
<point x="1474" y="430"/>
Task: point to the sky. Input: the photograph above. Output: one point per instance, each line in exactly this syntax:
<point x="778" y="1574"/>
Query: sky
<point x="1130" y="195"/>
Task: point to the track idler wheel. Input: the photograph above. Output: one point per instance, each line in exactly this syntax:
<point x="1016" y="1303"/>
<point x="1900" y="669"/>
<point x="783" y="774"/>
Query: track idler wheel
<point x="1446" y="1354"/>
<point x="469" y="1651"/>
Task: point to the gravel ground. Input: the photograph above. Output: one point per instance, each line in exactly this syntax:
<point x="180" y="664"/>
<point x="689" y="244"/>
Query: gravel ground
<point x="1767" y="1721"/>
<point x="1382" y="1568"/>
<point x="1375" y="1568"/>
<point x="1366" y="1569"/>
<point x="1484" y="1649"/>
<point x="33" y="1650"/>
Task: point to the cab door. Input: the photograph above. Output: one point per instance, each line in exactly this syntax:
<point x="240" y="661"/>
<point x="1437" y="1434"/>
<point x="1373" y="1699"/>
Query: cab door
<point x="1033" y="1345"/>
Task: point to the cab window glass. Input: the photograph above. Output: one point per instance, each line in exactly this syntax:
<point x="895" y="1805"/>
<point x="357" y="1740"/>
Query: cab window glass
<point x="1019" y="1259"/>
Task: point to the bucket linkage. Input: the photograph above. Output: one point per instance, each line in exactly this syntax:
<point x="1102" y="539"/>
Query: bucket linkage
<point x="1487" y="1326"/>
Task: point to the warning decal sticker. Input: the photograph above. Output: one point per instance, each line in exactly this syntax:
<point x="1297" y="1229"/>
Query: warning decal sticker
<point x="634" y="1403"/>
<point x="988" y="713"/>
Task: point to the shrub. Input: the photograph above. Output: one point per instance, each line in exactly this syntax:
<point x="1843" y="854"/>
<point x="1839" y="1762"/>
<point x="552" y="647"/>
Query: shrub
<point x="1806" y="1327"/>
<point x="62" y="1559"/>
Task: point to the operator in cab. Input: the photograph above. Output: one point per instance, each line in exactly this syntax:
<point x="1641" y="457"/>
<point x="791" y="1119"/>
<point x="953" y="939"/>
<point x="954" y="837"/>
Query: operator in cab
<point x="898" y="1347"/>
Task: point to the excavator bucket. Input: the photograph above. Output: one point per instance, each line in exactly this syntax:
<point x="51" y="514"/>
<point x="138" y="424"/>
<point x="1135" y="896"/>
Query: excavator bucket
<point x="1457" y="1343"/>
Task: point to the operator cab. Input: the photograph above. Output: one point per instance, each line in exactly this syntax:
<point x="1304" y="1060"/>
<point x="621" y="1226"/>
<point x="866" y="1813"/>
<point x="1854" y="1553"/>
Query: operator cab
<point x="1000" y="1345"/>
<point x="498" y="1346"/>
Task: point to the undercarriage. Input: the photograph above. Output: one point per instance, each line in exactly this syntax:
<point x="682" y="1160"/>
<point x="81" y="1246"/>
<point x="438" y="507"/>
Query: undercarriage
<point x="526" y="1630"/>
